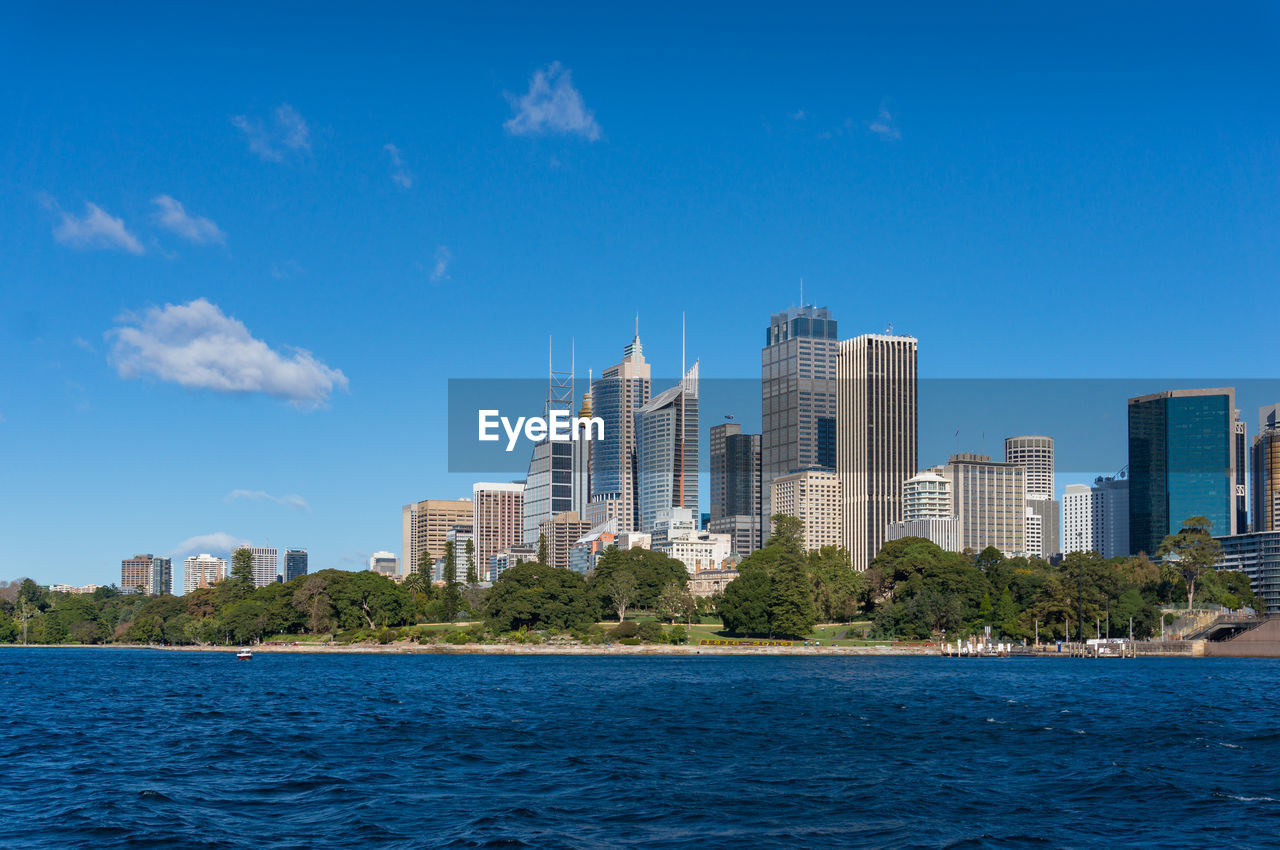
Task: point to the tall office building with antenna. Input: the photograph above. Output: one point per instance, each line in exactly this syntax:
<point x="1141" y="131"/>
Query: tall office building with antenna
<point x="549" y="485"/>
<point x="615" y="397"/>
<point x="797" y="397"/>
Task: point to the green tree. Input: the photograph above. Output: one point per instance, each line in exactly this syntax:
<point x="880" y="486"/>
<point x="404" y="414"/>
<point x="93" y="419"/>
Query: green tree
<point x="1192" y="551"/>
<point x="619" y="589"/>
<point x="542" y="548"/>
<point x="240" y="584"/>
<point x="838" y="590"/>
<point x="534" y="596"/>
<point x="745" y="605"/>
<point x="472" y="577"/>
<point x="652" y="572"/>
<point x="450" y="598"/>
<point x="674" y="602"/>
<point x="791" y="609"/>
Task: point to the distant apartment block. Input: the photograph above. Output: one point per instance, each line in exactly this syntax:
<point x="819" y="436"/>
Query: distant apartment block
<point x="499" y="518"/>
<point x="1035" y="455"/>
<point x="202" y="570"/>
<point x="1096" y="519"/>
<point x="561" y="532"/>
<point x="266" y="565"/>
<point x="944" y="532"/>
<point x="990" y="502"/>
<point x="151" y="575"/>
<point x="424" y="526"/>
<point x="1257" y="555"/>
<point x="585" y="551"/>
<point x="813" y="497"/>
<point x="385" y="564"/>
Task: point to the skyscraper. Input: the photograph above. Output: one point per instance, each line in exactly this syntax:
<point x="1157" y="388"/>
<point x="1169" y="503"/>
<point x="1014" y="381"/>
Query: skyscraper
<point x="549" y="483"/>
<point x="161" y="577"/>
<point x="135" y="574"/>
<point x="734" y="479"/>
<point x="498" y="523"/>
<point x="424" y="526"/>
<point x="295" y="563"/>
<point x="797" y="397"/>
<point x="561" y="532"/>
<point x="1096" y="519"/>
<point x="990" y="502"/>
<point x="1182" y="454"/>
<point x="615" y="397"/>
<point x="875" y="436"/>
<point x="666" y="434"/>
<point x="202" y="571"/>
<point x="1266" y="470"/>
<point x="1035" y="454"/>
<point x="266" y="565"/>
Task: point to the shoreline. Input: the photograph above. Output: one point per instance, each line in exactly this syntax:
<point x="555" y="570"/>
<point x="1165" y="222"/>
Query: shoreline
<point x="509" y="649"/>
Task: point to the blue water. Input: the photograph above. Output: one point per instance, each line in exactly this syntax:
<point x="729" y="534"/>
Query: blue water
<point x="136" y="748"/>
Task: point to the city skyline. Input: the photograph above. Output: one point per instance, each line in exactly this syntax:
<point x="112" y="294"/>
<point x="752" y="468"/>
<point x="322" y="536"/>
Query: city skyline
<point x="271" y="212"/>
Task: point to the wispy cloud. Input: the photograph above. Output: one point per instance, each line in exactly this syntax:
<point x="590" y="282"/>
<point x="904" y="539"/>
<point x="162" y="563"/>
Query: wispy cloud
<point x="95" y="230"/>
<point x="284" y="133"/>
<point x="440" y="271"/>
<point x="286" y="270"/>
<point x="399" y="174"/>
<point x="293" y="500"/>
<point x="197" y="346"/>
<point x="798" y="115"/>
<point x="551" y="106"/>
<point x="172" y="216"/>
<point x="217" y="543"/>
<point x="885" y="125"/>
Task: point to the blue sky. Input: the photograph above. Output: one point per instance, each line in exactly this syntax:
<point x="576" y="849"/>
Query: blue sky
<point x="412" y="195"/>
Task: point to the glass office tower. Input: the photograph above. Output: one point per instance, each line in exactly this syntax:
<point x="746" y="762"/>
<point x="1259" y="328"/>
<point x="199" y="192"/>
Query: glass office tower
<point x="1181" y="463"/>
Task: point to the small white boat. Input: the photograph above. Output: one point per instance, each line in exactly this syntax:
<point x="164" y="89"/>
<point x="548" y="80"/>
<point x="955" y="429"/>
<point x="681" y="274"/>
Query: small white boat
<point x="244" y="655"/>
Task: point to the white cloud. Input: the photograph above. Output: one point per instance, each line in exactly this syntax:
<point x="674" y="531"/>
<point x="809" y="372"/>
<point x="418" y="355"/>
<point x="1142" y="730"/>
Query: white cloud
<point x="798" y="115"/>
<point x="293" y="500"/>
<point x="885" y="126"/>
<point x="441" y="269"/>
<point x="172" y="216"/>
<point x="218" y="543"/>
<point x="197" y="346"/>
<point x="272" y="140"/>
<point x="97" y="229"/>
<point x="552" y="105"/>
<point x="399" y="174"/>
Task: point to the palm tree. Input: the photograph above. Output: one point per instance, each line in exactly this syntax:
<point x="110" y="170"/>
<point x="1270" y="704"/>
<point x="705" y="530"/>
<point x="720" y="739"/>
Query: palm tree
<point x="415" y="583"/>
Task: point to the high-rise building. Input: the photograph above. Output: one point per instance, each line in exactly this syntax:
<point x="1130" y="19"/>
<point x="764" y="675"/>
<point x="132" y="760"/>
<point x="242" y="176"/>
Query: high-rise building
<point x="266" y="565"/>
<point x="666" y="436"/>
<point x="1035" y="454"/>
<point x="1265" y="460"/>
<point x="202" y="571"/>
<point x="813" y="497"/>
<point x="1240" y="462"/>
<point x="928" y="511"/>
<point x="561" y="532"/>
<point x="927" y="495"/>
<point x="135" y="574"/>
<point x="499" y="521"/>
<point x="735" y="487"/>
<point x="1257" y="555"/>
<point x="1096" y="519"/>
<point x="385" y="563"/>
<point x="875" y="437"/>
<point x="295" y="563"/>
<point x="549" y="486"/>
<point x="161" y="577"/>
<point x="615" y="397"/>
<point x="424" y="526"/>
<point x="797" y="397"/>
<point x="990" y="502"/>
<point x="1182" y="455"/>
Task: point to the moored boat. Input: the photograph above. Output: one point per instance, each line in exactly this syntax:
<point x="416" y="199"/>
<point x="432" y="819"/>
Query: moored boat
<point x="244" y="655"/>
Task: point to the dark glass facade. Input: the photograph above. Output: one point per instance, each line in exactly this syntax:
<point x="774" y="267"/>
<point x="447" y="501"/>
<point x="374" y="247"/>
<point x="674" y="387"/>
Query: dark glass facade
<point x="295" y="563"/>
<point x="741" y="474"/>
<point x="1180" y="464"/>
